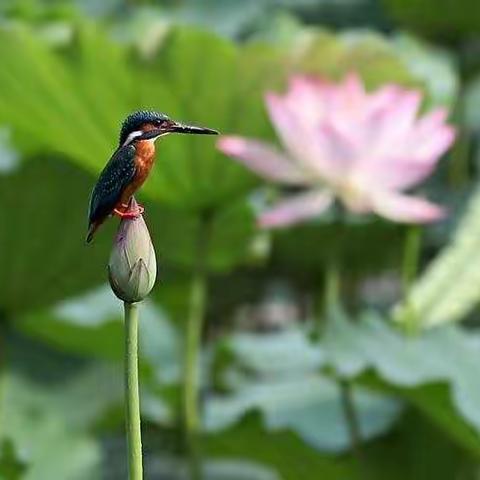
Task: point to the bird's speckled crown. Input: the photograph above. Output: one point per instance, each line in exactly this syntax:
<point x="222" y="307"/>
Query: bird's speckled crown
<point x="135" y="120"/>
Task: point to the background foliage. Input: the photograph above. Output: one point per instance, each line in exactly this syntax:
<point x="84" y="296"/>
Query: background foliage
<point x="275" y="357"/>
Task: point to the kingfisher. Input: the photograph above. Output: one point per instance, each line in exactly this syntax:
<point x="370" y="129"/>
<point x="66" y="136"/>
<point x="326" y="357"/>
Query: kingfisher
<point x="130" y="165"/>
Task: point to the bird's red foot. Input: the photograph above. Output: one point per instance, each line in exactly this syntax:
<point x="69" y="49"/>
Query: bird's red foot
<point x="129" y="212"/>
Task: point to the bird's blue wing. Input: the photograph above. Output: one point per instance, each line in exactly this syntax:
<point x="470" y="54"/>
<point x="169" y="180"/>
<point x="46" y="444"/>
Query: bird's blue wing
<point x="115" y="177"/>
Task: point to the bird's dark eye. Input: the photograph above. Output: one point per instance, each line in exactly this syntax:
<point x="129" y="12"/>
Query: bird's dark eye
<point x="159" y="123"/>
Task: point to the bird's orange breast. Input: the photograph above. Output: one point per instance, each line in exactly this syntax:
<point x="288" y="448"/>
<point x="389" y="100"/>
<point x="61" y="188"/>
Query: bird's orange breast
<point x="144" y="160"/>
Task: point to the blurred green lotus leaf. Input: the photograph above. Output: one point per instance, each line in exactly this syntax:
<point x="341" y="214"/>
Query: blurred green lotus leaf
<point x="297" y="397"/>
<point x="43" y="255"/>
<point x="413" y="450"/>
<point x="49" y="405"/>
<point x="91" y="325"/>
<point x="231" y="237"/>
<point x="414" y="368"/>
<point x="443" y="19"/>
<point x="311" y="407"/>
<point x="45" y="269"/>
<point x="73" y="102"/>
<point x="251" y="438"/>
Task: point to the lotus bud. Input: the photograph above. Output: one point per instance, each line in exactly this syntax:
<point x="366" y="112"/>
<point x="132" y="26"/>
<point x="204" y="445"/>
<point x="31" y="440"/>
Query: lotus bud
<point x="132" y="268"/>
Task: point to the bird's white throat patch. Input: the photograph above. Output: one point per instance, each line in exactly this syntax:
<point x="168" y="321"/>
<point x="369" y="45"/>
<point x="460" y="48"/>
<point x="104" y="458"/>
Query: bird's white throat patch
<point x="138" y="133"/>
<point x="132" y="137"/>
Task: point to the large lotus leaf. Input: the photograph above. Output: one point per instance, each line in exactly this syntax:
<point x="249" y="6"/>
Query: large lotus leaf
<point x="91" y="325"/>
<point x="294" y="397"/>
<point x="43" y="254"/>
<point x="286" y="352"/>
<point x="104" y="80"/>
<point x="48" y="408"/>
<point x="73" y="101"/>
<point x="283" y="450"/>
<point x="310" y="406"/>
<point x="445" y="356"/>
<point x="44" y="104"/>
<point x="88" y="325"/>
<point x="214" y="89"/>
<point x="60" y="383"/>
<point x="229" y="234"/>
<point x="414" y="449"/>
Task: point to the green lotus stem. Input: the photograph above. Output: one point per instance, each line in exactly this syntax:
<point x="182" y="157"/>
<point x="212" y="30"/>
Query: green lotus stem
<point x="411" y="257"/>
<point x="351" y="417"/>
<point x="458" y="171"/>
<point x="132" y="397"/>
<point x="332" y="287"/>
<point x="331" y="298"/>
<point x="458" y="166"/>
<point x="197" y="308"/>
<point x="2" y="370"/>
<point x="191" y="380"/>
<point x="192" y="350"/>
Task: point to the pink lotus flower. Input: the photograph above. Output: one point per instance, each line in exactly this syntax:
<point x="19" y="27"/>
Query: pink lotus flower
<point x="339" y="141"/>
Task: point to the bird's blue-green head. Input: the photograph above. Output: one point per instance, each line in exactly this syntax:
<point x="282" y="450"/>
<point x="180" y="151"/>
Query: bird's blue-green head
<point x="149" y="125"/>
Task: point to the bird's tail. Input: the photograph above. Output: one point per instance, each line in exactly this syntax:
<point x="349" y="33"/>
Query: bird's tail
<point x="92" y="228"/>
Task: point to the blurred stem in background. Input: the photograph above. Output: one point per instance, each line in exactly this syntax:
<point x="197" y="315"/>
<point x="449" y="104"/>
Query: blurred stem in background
<point x="458" y="171"/>
<point x="411" y="257"/>
<point x="329" y="297"/>
<point x="458" y="174"/>
<point x="3" y="362"/>
<point x="332" y="304"/>
<point x="191" y="384"/>
<point x="351" y="417"/>
<point x="332" y="287"/>
<point x="132" y="403"/>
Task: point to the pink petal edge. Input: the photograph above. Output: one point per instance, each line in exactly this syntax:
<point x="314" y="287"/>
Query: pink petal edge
<point x="406" y="208"/>
<point x="262" y="158"/>
<point x="296" y="208"/>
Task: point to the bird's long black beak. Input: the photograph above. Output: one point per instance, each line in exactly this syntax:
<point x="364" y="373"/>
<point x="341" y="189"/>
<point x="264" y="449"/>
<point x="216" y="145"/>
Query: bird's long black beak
<point x="177" y="127"/>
